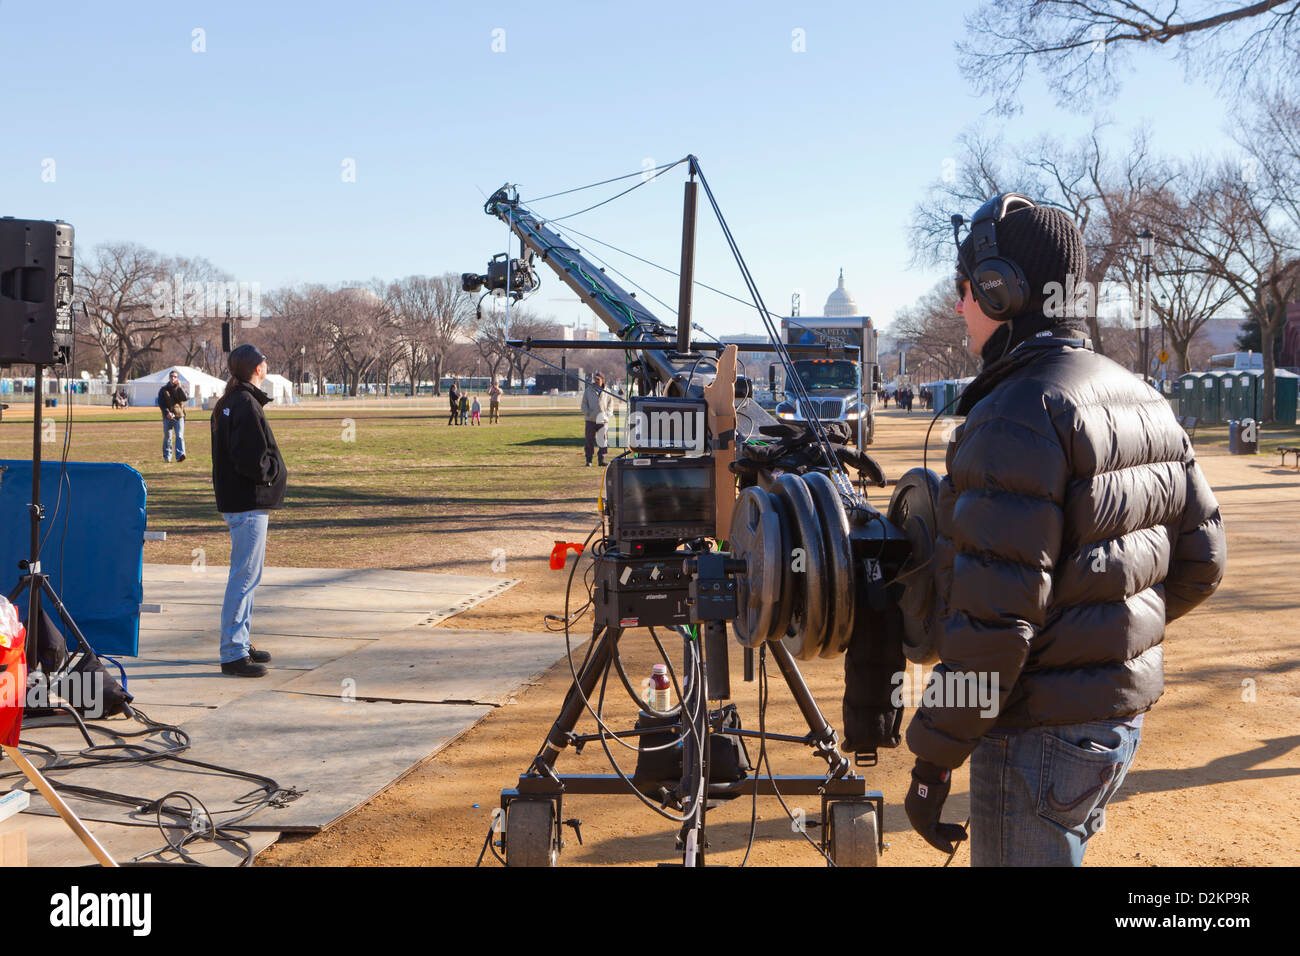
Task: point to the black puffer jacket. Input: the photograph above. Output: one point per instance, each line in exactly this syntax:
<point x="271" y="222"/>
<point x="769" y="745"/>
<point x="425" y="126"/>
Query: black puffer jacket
<point x="1073" y="524"/>
<point x="248" y="473"/>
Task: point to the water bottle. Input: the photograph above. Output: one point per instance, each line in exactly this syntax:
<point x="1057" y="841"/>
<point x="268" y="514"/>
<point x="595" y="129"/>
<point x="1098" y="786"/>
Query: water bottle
<point x="661" y="688"/>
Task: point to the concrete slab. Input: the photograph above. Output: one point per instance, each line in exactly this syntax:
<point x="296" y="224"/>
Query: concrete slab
<point x="295" y="621"/>
<point x="337" y="753"/>
<point x="372" y="579"/>
<point x="203" y="647"/>
<point x="179" y="683"/>
<point x="441" y="665"/>
<point x="51" y="843"/>
<point x="332" y="745"/>
<point x="209" y="593"/>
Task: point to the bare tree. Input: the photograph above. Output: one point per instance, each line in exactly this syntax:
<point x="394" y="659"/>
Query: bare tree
<point x="1104" y="196"/>
<point x="362" y="328"/>
<point x="117" y="283"/>
<point x="198" y="294"/>
<point x="934" y="335"/>
<point x="1241" y="238"/>
<point x="1185" y="291"/>
<point x="295" y="333"/>
<point x="1082" y="46"/>
<point x="525" y="324"/>
<point x="490" y="340"/>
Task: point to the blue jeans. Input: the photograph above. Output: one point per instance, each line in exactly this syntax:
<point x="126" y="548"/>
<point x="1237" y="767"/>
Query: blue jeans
<point x="1038" y="795"/>
<point x="247" y="553"/>
<point x="171" y="425"/>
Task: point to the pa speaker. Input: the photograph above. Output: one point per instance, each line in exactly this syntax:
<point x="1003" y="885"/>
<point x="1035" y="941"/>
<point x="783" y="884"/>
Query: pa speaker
<point x="36" y="262"/>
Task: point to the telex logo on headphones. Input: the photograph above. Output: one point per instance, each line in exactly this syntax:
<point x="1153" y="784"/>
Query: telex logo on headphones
<point x="76" y="909"/>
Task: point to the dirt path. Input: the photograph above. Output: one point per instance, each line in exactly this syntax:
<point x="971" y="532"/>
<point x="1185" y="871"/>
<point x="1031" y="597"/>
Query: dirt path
<point x="1215" y="782"/>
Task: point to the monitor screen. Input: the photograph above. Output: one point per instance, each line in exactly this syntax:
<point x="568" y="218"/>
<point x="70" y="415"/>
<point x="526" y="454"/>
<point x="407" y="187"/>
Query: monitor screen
<point x="663" y="495"/>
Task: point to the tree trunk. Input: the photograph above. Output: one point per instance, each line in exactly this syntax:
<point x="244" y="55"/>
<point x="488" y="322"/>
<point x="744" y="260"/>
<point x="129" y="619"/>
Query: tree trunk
<point x="1267" y="334"/>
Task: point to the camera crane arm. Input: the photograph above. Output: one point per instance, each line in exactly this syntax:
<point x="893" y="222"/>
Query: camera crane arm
<point x="664" y="367"/>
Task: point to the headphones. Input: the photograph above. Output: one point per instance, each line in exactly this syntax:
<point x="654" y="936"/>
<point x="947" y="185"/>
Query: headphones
<point x="998" y="284"/>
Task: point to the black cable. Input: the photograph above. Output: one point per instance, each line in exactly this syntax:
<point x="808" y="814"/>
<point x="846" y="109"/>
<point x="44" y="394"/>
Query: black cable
<point x="622" y="275"/>
<point x="644" y="181"/>
<point x="762" y="676"/>
<point x="609" y="755"/>
<point x="269" y="793"/>
<point x="801" y="394"/>
<point x="762" y="751"/>
<point x="604" y="182"/>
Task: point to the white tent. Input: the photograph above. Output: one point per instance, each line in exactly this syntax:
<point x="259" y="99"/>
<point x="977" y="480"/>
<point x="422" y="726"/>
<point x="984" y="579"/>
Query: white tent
<point x="199" y="386"/>
<point x="279" y="388"/>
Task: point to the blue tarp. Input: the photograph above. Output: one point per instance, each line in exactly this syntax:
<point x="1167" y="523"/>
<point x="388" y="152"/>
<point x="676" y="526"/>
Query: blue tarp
<point x="93" y="546"/>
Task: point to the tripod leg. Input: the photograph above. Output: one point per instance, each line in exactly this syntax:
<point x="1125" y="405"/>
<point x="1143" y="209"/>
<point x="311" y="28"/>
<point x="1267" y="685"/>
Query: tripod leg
<point x="558" y="737"/>
<point x="825" y="738"/>
<point x="65" y="617"/>
<point x="71" y="819"/>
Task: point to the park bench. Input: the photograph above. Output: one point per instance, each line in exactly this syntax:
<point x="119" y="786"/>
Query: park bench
<point x="1291" y="450"/>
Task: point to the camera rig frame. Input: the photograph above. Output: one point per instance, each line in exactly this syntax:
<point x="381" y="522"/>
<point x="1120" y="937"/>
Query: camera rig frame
<point x="861" y="563"/>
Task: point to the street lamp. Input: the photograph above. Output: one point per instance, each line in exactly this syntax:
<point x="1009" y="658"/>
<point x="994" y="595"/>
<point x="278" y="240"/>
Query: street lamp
<point x="1147" y="247"/>
<point x="302" y="370"/>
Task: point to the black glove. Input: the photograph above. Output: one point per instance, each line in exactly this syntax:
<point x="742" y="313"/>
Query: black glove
<point x="924" y="803"/>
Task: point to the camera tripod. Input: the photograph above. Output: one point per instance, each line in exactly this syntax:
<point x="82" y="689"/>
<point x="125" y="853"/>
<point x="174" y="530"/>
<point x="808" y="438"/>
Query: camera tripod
<point x="851" y="832"/>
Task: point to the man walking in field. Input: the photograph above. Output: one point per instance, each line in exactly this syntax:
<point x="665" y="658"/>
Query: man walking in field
<point x="172" y="399"/>
<point x="596" y="405"/>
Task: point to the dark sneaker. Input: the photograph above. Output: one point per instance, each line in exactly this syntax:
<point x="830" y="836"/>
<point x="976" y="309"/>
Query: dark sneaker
<point x="180" y="458"/>
<point x="243" y="668"/>
<point x="258" y="657"/>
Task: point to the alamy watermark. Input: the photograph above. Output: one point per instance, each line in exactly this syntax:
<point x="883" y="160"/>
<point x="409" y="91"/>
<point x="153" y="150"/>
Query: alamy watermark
<point x="946" y="688"/>
<point x="667" y="430"/>
<point x="207" y="298"/>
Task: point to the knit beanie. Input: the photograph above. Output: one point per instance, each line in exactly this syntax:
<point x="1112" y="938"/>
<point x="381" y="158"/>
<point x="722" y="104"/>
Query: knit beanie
<point x="1047" y="246"/>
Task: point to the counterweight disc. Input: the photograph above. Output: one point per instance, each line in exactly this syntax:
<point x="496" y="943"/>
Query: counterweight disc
<point x="756" y="537"/>
<point x="911" y="508"/>
<point x="839" y="561"/>
<point x="807" y="559"/>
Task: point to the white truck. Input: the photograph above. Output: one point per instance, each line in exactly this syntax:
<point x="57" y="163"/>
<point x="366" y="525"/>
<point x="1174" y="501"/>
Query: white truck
<point x="840" y="388"/>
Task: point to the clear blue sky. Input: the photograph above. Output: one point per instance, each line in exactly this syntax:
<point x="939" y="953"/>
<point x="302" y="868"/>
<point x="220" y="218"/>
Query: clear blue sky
<point x="236" y="153"/>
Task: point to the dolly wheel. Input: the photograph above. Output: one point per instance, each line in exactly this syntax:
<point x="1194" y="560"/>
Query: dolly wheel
<point x="530" y="833"/>
<point x="854" y="838"/>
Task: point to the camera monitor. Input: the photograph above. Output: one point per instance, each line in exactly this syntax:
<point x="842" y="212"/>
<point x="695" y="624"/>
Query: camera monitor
<point x="666" y="426"/>
<point x="660" y="500"/>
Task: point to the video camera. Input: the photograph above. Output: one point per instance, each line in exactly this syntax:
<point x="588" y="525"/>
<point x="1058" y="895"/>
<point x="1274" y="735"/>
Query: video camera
<point x="513" y="277"/>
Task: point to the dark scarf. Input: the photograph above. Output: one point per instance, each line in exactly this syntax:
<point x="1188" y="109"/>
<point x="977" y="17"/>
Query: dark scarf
<point x="1001" y="355"/>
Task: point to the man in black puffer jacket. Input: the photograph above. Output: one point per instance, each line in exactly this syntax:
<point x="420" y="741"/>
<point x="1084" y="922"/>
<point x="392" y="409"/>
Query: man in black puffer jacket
<point x="248" y="476"/>
<point x="1074" y="524"/>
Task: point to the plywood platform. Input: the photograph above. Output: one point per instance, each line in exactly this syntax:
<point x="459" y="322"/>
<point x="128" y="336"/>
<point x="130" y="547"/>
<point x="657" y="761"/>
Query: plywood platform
<point x="361" y="689"/>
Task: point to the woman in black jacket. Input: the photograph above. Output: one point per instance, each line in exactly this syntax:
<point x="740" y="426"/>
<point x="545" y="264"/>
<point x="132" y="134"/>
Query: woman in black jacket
<point x="248" y="476"/>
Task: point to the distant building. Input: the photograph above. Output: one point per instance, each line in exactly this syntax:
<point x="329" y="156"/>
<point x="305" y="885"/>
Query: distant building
<point x="1219" y="335"/>
<point x="840" y="303"/>
<point x="1291" y="337"/>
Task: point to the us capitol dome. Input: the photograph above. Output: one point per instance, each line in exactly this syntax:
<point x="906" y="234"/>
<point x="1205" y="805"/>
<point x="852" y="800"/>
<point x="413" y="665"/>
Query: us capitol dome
<point x="840" y="303"/>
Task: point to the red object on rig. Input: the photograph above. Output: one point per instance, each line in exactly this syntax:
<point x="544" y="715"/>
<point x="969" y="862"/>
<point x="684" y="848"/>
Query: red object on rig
<point x="13" y="673"/>
<point x="560" y="553"/>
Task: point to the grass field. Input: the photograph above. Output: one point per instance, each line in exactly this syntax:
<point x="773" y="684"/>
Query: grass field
<point x="393" y="488"/>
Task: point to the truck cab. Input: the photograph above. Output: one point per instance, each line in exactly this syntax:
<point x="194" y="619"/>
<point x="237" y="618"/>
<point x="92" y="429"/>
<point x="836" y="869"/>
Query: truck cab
<point x="834" y="388"/>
